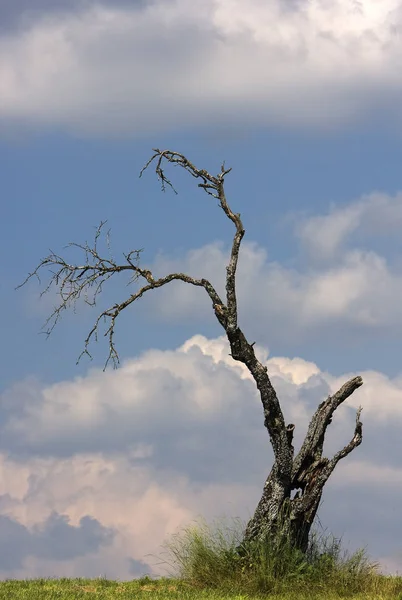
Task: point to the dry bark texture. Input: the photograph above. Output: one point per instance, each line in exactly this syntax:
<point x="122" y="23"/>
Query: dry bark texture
<point x="277" y="514"/>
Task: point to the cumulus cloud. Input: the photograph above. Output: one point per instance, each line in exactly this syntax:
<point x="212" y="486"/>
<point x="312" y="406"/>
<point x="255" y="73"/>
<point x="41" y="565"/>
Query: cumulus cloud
<point x="129" y="457"/>
<point x="360" y="291"/>
<point x="376" y="214"/>
<point x="116" y="68"/>
<point x="68" y="417"/>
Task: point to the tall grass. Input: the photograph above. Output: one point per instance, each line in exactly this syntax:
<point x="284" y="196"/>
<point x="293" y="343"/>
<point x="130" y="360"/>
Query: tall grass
<point x="205" y="556"/>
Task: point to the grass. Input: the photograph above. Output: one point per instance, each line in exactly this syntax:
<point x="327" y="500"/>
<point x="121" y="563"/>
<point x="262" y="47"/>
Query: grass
<point x="205" y="565"/>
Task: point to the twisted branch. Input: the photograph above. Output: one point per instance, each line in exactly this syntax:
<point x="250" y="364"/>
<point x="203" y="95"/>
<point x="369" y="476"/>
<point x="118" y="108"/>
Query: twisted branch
<point x="312" y="447"/>
<point x="75" y="281"/>
<point x="216" y="183"/>
<point x="86" y="280"/>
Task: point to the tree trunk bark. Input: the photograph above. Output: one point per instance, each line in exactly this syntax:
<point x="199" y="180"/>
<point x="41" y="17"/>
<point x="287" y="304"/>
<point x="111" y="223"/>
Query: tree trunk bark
<point x="277" y="514"/>
<point x="280" y="517"/>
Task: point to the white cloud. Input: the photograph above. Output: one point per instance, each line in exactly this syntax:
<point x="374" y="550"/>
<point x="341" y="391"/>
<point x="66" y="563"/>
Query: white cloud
<point x="298" y="370"/>
<point x="361" y="290"/>
<point x="375" y="214"/>
<point x="323" y="235"/>
<point x="130" y="70"/>
<point x="379" y="406"/>
<point x="175" y="435"/>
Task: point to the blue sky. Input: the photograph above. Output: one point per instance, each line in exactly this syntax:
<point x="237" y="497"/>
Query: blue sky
<point x="307" y="113"/>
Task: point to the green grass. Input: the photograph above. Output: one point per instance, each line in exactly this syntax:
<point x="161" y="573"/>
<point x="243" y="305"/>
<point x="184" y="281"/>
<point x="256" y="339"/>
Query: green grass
<point x="205" y="565"/>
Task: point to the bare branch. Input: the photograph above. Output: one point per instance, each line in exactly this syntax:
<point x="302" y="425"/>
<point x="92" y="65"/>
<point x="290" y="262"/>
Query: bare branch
<point x="209" y="182"/>
<point x="87" y="280"/>
<point x="320" y="471"/>
<point x="312" y="447"/>
<point x="113" y="312"/>
<point x="354" y="442"/>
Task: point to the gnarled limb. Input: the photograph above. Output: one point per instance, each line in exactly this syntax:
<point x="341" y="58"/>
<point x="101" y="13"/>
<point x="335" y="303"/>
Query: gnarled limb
<point x="80" y="281"/>
<point x="215" y="183"/>
<point x="312" y="446"/>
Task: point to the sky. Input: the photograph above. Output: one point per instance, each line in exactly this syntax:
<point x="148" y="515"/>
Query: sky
<point x="303" y="100"/>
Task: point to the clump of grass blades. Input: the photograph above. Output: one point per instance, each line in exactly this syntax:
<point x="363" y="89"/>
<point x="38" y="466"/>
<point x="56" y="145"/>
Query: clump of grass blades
<point x="206" y="557"/>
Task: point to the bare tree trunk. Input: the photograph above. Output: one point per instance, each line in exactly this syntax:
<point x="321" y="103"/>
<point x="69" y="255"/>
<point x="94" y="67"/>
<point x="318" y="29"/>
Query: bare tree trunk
<point x="277" y="514"/>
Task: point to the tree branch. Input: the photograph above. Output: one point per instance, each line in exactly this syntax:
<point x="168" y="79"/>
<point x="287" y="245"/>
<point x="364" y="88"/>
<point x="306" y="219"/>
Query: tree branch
<point x="215" y="183"/>
<point x="75" y="281"/>
<point x="354" y="442"/>
<point x="320" y="471"/>
<point x="312" y="447"/>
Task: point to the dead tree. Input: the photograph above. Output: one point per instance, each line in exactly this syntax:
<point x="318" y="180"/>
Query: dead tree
<point x="277" y="515"/>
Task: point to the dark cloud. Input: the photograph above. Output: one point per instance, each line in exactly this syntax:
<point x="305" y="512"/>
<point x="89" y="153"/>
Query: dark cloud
<point x="54" y="539"/>
<point x="138" y="568"/>
<point x="17" y="13"/>
<point x="366" y="514"/>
